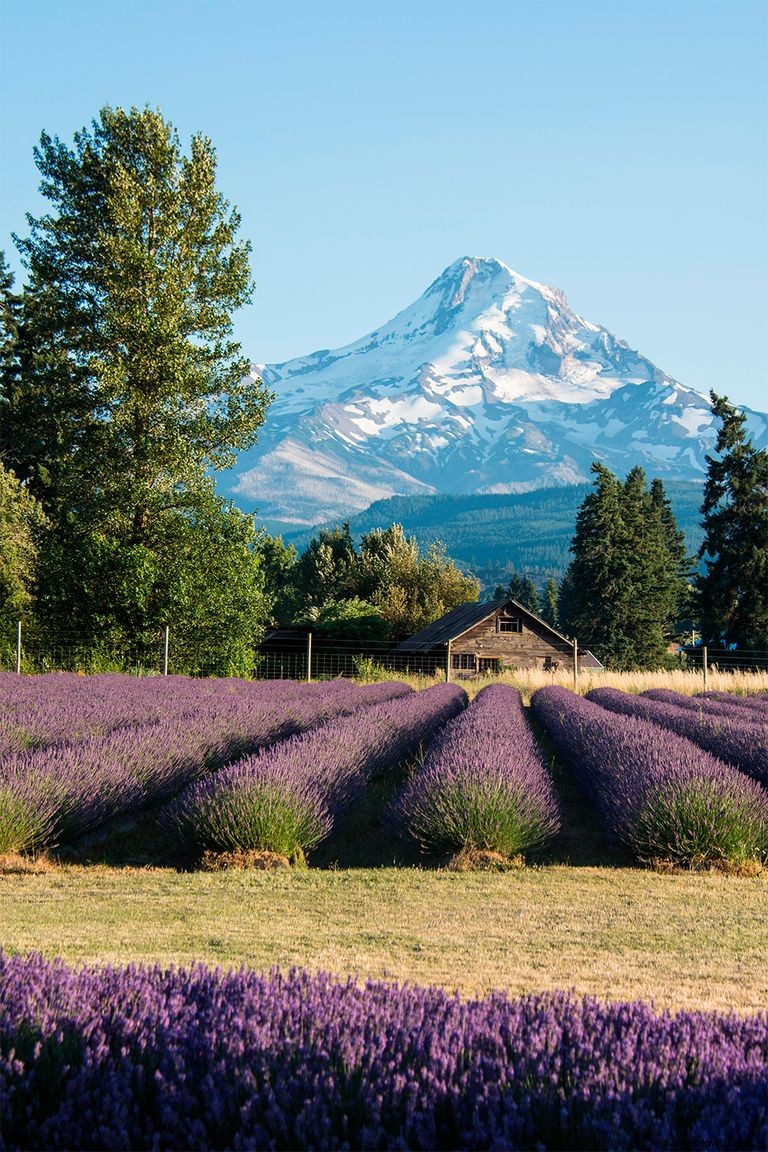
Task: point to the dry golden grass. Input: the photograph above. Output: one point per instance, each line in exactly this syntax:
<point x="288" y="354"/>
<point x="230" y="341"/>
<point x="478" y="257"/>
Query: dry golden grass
<point x="678" y="680"/>
<point x="694" y="941"/>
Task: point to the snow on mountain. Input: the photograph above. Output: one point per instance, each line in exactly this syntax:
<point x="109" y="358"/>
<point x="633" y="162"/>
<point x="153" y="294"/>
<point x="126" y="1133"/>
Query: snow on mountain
<point x="487" y="383"/>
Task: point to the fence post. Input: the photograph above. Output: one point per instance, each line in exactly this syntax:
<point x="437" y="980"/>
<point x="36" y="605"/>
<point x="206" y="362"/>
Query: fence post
<point x="309" y="656"/>
<point x="448" y="663"/>
<point x="18" y="647"/>
<point x="165" y="650"/>
<point x="575" y="665"/>
<point x="706" y="670"/>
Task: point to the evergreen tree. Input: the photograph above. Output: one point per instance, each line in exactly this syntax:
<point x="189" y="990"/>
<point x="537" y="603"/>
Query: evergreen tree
<point x="126" y="388"/>
<point x="522" y="590"/>
<point x="550" y="607"/>
<point x="621" y="593"/>
<point x="681" y="564"/>
<point x="733" y="589"/>
<point x="594" y="579"/>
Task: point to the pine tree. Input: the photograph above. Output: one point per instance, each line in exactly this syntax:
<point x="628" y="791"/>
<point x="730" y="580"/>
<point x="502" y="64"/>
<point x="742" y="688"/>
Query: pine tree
<point x="621" y="592"/>
<point x="680" y="562"/>
<point x="595" y="577"/>
<point x="522" y="590"/>
<point x="550" y="610"/>
<point x="732" y="591"/>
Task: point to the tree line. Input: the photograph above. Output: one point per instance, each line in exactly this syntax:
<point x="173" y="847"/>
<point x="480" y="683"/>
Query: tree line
<point x="630" y="587"/>
<point x="123" y="392"/>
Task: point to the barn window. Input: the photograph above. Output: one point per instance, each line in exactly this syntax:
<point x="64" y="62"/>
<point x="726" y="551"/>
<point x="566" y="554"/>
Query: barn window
<point x="463" y="660"/>
<point x="509" y="624"/>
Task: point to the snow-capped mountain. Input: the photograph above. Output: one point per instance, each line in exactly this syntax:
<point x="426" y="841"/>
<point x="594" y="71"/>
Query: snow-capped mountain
<point x="487" y="383"/>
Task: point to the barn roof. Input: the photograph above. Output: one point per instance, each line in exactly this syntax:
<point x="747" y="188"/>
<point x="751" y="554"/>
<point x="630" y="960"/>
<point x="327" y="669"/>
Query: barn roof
<point x="458" y="620"/>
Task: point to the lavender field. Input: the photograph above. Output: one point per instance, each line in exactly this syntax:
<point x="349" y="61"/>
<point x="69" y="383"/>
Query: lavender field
<point x="141" y="1058"/>
<point x="343" y="776"/>
<point x="229" y="766"/>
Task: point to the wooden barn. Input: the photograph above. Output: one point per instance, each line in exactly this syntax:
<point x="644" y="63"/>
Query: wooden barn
<point x="482" y="638"/>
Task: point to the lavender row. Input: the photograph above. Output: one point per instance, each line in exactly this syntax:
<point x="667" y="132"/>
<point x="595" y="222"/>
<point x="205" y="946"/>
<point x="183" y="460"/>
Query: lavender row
<point x="757" y="704"/>
<point x="145" y="1059"/>
<point x="742" y="743"/>
<point x="286" y="799"/>
<point x="656" y="792"/>
<point x="708" y="705"/>
<point x="483" y="785"/>
<point x="59" y="709"/>
<point x="54" y="795"/>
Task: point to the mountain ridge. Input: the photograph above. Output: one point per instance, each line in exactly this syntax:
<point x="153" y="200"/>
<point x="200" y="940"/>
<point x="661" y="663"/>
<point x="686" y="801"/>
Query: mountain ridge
<point x="487" y="383"/>
<point x="492" y="535"/>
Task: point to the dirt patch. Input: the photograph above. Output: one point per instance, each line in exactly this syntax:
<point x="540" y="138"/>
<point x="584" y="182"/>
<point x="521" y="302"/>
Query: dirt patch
<point x="239" y="859"/>
<point x="13" y="864"/>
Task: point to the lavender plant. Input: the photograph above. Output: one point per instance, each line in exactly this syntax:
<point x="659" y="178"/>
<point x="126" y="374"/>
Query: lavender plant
<point x="76" y="786"/>
<point x="483" y="784"/>
<point x="27" y="816"/>
<point x="758" y="704"/>
<point x="658" y="793"/>
<point x="739" y="742"/>
<point x="143" y="1058"/>
<point x="709" y="705"/>
<point x="286" y="798"/>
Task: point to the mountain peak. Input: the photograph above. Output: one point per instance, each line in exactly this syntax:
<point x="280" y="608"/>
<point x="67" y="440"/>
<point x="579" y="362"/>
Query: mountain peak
<point x="486" y="382"/>
<point x="470" y="273"/>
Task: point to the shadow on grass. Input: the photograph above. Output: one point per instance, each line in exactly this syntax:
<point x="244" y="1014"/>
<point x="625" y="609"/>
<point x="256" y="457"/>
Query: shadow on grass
<point x="363" y="840"/>
<point x="134" y="841"/>
<point x="581" y="841"/>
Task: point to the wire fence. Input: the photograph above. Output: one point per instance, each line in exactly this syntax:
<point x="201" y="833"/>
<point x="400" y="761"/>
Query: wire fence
<point x="290" y="655"/>
<point x="300" y="657"/>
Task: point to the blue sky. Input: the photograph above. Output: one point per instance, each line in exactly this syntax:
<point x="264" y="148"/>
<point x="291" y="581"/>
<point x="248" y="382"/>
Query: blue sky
<point x="615" y="149"/>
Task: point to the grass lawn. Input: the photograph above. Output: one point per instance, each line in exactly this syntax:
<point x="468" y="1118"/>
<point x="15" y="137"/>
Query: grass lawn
<point x="692" y="940"/>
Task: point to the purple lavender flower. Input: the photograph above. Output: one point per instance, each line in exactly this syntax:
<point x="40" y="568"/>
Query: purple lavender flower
<point x="58" y="789"/>
<point x="660" y="794"/>
<point x="143" y="1058"/>
<point x="740" y="742"/>
<point x="286" y="798"/>
<point x="483" y="784"/>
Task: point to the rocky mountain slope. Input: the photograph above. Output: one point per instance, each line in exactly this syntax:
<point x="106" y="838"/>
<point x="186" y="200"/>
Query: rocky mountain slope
<point x="488" y="383"/>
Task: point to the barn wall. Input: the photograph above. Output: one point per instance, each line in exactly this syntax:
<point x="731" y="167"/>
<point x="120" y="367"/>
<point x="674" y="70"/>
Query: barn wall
<point x="527" y="649"/>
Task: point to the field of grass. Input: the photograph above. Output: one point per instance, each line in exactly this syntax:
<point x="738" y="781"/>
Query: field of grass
<point x="693" y="941"/>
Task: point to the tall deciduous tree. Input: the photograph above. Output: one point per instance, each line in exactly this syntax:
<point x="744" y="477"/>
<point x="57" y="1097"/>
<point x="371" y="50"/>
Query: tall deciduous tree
<point x="127" y="363"/>
<point x="406" y="589"/>
<point x="733" y="588"/>
<point x="22" y="527"/>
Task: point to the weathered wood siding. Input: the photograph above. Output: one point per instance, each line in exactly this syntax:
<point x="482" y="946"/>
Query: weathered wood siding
<point x="529" y="648"/>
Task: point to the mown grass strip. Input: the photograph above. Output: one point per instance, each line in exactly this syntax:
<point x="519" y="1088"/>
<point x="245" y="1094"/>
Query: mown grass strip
<point x="686" y="940"/>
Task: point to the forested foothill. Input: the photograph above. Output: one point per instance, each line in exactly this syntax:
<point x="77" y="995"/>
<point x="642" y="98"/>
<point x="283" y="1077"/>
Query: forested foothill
<point x="122" y="392"/>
